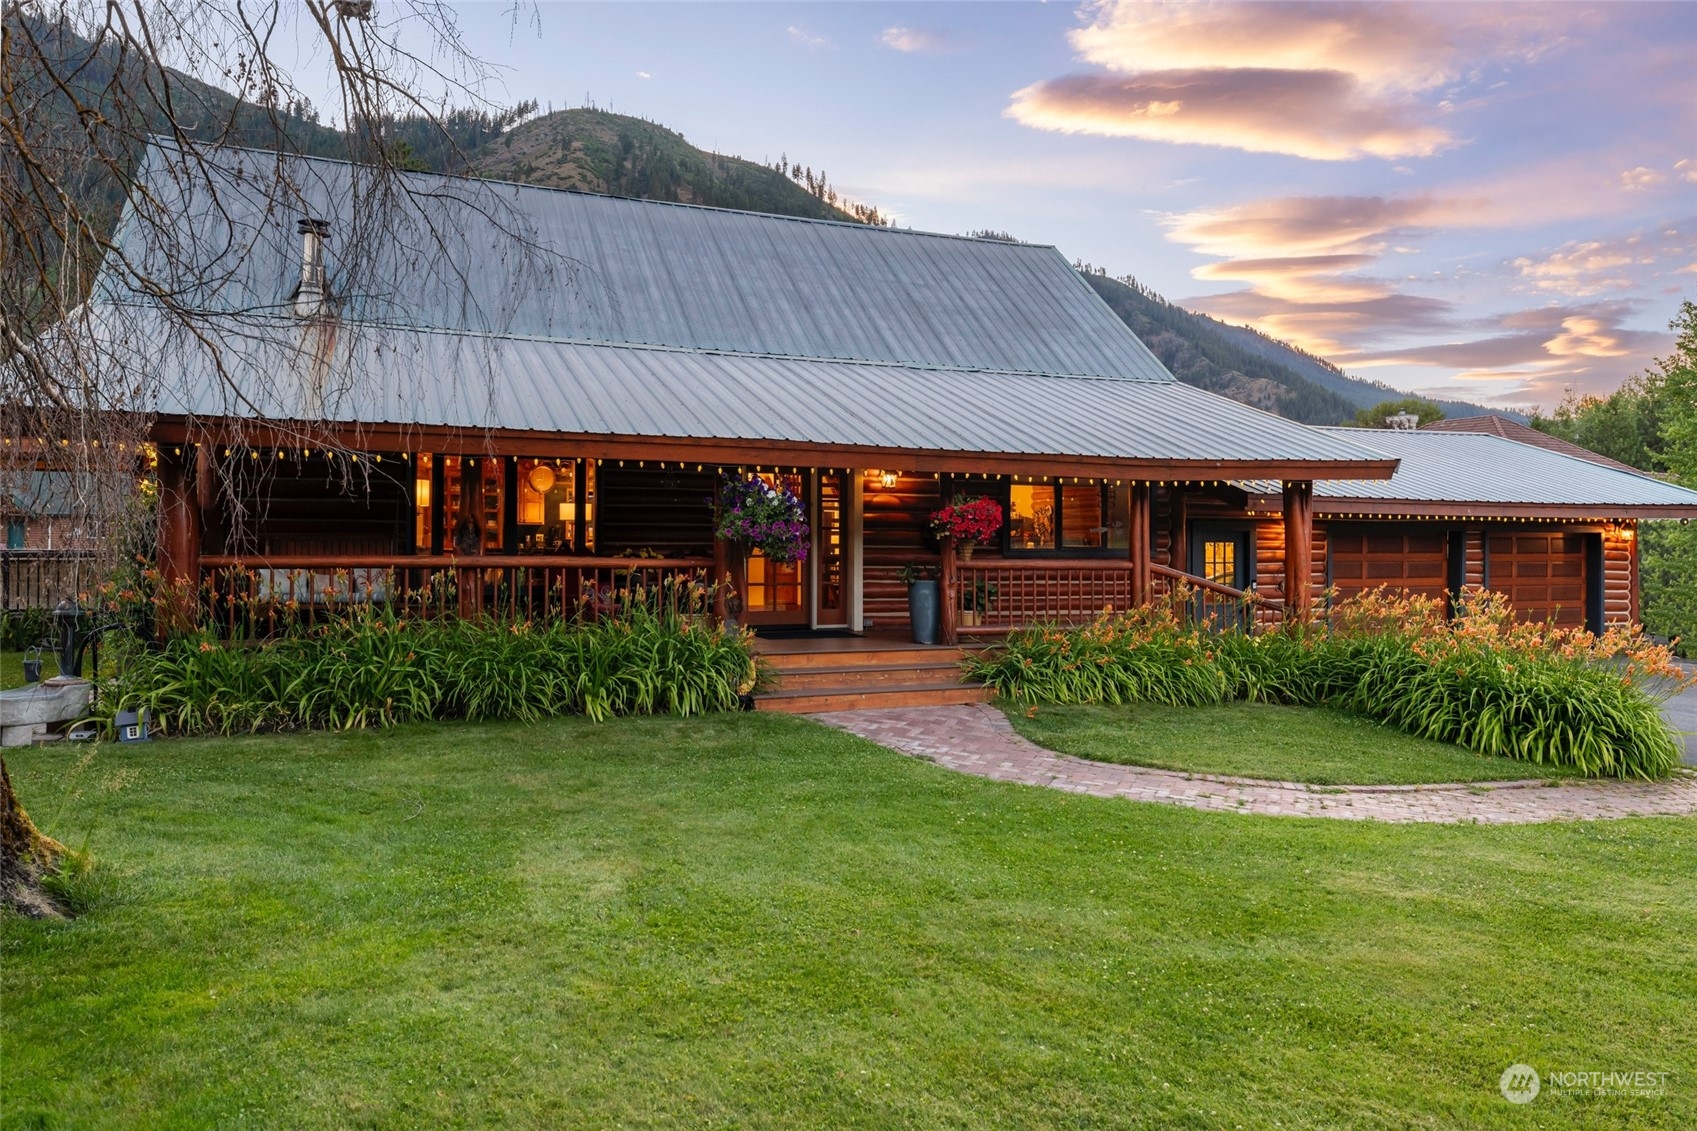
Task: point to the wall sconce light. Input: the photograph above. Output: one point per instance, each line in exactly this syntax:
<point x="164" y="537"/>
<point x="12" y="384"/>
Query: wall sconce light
<point x="422" y="491"/>
<point x="888" y="479"/>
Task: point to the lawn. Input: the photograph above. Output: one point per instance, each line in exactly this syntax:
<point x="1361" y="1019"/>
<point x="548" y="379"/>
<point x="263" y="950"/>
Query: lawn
<point x="1263" y="740"/>
<point x="751" y="921"/>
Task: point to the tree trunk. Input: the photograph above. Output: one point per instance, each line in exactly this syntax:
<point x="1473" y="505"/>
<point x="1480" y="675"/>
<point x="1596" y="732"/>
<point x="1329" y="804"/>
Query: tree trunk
<point x="25" y="856"/>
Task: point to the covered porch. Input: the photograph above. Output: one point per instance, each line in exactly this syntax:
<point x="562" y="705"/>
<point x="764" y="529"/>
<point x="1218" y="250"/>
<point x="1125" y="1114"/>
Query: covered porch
<point x="541" y="526"/>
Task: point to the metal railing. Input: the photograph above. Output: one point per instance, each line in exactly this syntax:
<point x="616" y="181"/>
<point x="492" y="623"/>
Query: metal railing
<point x="40" y="579"/>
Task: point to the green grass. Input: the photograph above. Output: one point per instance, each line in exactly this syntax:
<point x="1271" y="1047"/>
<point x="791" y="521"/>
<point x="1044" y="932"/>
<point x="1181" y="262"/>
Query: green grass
<point x="750" y="921"/>
<point x="1263" y="740"/>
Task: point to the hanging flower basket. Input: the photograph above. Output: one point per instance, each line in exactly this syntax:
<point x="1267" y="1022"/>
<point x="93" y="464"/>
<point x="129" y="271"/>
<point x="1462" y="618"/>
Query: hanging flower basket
<point x="968" y="520"/>
<point x="758" y="516"/>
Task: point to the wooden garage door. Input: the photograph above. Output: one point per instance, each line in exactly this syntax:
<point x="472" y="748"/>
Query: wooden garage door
<point x="1542" y="574"/>
<point x="1366" y="557"/>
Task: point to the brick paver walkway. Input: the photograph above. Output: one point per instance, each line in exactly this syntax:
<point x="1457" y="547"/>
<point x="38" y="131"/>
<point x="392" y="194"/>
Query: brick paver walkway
<point x="978" y="739"/>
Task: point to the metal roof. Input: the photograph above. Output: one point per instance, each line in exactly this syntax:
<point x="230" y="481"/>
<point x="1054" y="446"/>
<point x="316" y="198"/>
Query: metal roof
<point x="495" y="306"/>
<point x="493" y="257"/>
<point x="1479" y="470"/>
<point x="1494" y="425"/>
<point x="276" y="369"/>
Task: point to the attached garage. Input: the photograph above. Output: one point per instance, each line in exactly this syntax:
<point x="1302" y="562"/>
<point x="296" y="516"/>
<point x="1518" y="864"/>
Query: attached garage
<point x="1549" y="529"/>
<point x="1543" y="574"/>
<point x="1364" y="557"/>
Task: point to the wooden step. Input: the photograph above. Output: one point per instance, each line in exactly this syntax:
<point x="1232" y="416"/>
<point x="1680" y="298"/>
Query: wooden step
<point x="917" y="656"/>
<point x="809" y="701"/>
<point x="867" y="675"/>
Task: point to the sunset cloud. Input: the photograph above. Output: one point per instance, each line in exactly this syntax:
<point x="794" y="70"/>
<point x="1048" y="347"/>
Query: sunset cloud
<point x="914" y="41"/>
<point x="1538" y="355"/>
<point x="1639" y="179"/>
<point x="1583" y="268"/>
<point x="1381" y="47"/>
<point x="805" y="38"/>
<point x="1327" y="82"/>
<point x="1319" y="115"/>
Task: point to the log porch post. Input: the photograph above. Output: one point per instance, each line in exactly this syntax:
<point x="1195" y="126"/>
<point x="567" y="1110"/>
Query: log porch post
<point x="179" y="521"/>
<point x="948" y="631"/>
<point x="721" y="574"/>
<point x="1299" y="547"/>
<point x="178" y="549"/>
<point x="1179" y="543"/>
<point x="1140" y="521"/>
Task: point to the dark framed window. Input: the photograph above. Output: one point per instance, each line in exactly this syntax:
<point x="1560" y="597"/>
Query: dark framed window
<point x="1070" y="519"/>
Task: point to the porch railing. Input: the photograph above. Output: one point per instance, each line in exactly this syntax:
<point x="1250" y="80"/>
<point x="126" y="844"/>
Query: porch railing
<point x="40" y="579"/>
<point x="255" y="595"/>
<point x="993" y="596"/>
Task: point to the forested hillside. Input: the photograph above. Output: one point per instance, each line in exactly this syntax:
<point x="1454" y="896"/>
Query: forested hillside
<point x="598" y="151"/>
<point x="1198" y="354"/>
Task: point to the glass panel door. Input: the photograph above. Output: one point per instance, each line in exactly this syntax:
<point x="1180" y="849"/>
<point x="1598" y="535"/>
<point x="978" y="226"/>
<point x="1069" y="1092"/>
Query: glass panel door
<point x="775" y="592"/>
<point x="832" y="610"/>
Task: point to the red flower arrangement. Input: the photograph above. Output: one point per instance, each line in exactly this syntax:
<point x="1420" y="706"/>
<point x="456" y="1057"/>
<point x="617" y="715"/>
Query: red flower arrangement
<point x="974" y="519"/>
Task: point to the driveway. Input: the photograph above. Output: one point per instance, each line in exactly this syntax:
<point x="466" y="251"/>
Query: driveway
<point x="1681" y="711"/>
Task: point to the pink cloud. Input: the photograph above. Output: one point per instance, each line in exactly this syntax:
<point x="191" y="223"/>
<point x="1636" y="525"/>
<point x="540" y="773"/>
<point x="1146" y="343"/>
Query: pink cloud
<point x="1327" y="82"/>
<point x="1319" y="115"/>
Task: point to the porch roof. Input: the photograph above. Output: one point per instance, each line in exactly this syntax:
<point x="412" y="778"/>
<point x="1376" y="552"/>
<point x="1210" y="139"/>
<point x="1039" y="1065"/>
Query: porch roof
<point x="750" y="407"/>
<point x="1470" y="474"/>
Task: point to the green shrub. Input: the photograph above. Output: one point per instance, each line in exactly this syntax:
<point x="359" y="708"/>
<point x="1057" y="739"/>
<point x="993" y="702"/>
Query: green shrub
<point x="365" y="667"/>
<point x="1499" y="687"/>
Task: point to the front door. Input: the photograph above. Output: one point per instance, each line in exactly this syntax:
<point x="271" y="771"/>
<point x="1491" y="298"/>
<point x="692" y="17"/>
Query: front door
<point x="830" y="549"/>
<point x="776" y="593"/>
<point x="1221" y="553"/>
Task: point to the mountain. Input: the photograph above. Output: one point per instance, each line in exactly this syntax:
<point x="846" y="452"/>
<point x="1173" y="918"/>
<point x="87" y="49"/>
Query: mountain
<point x="598" y="151"/>
<point x="1357" y="391"/>
<point x="1193" y="347"/>
<point x="1244" y="364"/>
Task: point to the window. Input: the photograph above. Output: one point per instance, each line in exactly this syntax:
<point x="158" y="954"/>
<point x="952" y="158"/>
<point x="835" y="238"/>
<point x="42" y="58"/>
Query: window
<point x="1072" y="517"/>
<point x="1031" y="517"/>
<point x="547" y="506"/>
<point x="1219" y="562"/>
<point x="472" y="510"/>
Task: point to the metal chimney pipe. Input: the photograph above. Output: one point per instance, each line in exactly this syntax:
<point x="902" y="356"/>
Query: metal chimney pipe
<point x="312" y="294"/>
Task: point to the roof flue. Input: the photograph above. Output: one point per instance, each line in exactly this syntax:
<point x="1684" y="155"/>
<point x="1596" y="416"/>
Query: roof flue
<point x="313" y="295"/>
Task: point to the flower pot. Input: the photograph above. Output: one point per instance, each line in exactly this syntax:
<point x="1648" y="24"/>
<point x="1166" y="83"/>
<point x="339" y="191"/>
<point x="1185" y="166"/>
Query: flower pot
<point x="924" y="610"/>
<point x="970" y="618"/>
<point x="965" y="550"/>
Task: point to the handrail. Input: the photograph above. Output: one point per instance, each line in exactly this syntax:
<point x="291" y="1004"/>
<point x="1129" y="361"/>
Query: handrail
<point x="1212" y="586"/>
<point x="443" y="561"/>
<point x="1049" y="563"/>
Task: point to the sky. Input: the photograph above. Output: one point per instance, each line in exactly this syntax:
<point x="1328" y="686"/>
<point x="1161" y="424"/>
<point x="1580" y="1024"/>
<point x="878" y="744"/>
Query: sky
<point x="1489" y="201"/>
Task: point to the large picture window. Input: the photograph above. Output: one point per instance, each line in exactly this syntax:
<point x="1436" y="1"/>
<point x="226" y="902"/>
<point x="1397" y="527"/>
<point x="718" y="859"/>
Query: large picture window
<point x="1070" y="518"/>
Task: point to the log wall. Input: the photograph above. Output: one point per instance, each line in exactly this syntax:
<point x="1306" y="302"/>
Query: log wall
<point x="896" y="531"/>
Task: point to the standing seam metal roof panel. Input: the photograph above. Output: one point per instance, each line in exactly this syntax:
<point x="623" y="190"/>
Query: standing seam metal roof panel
<point x="1476" y="467"/>
<point x="640" y="272"/>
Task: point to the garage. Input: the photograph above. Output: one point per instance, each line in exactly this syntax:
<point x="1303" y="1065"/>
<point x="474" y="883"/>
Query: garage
<point x="1363" y="557"/>
<point x="1541" y="573"/>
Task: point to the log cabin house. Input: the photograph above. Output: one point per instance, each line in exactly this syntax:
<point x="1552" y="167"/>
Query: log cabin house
<point x="552" y="417"/>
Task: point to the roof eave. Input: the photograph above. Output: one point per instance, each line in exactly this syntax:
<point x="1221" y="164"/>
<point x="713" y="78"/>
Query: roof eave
<point x="1428" y="508"/>
<point x="477" y="441"/>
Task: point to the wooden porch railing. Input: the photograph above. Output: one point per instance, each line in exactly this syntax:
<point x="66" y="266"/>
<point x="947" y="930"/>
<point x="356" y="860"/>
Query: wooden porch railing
<point x="254" y="594"/>
<point x="989" y="597"/>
